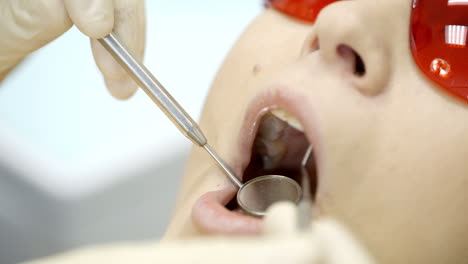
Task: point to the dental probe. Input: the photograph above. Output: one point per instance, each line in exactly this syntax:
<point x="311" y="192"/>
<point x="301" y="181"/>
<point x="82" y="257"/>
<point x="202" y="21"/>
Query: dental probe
<point x="162" y="98"/>
<point x="305" y="204"/>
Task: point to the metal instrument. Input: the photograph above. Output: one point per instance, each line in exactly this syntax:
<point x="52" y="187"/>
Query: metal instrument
<point x="255" y="196"/>
<point x="305" y="205"/>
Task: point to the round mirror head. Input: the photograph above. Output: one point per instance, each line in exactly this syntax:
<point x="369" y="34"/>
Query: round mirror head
<point x="256" y="195"/>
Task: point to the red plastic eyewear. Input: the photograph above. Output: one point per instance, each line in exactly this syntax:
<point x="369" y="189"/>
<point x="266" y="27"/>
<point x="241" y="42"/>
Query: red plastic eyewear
<point x="438" y="37"/>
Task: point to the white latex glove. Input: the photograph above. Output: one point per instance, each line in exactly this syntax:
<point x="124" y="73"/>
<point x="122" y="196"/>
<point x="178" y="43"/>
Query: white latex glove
<point x="27" y="25"/>
<point x="326" y="242"/>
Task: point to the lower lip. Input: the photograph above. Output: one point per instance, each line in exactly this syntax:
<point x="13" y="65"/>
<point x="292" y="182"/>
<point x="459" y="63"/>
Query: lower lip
<point x="210" y="215"/>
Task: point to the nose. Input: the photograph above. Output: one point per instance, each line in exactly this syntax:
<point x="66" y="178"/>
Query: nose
<point x="350" y="41"/>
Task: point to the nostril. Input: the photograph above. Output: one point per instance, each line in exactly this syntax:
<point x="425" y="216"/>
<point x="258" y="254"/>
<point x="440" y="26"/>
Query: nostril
<point x="359" y="67"/>
<point x="311" y="45"/>
<point x="315" y="45"/>
<point x="352" y="60"/>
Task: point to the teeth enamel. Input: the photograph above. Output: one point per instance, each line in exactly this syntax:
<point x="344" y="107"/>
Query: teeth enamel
<point x="268" y="143"/>
<point x="288" y="118"/>
<point x="271" y="127"/>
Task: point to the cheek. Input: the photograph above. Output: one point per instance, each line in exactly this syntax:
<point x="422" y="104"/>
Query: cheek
<point x="406" y="180"/>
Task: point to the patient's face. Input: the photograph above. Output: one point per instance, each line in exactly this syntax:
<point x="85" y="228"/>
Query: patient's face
<point x="390" y="148"/>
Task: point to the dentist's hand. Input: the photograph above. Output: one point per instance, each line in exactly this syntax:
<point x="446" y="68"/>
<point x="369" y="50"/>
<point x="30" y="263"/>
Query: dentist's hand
<point x="27" y="25"/>
<point x="326" y="242"/>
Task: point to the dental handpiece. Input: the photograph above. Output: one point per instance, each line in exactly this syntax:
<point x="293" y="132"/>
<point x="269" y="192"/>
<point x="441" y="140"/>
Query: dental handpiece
<point x="155" y="90"/>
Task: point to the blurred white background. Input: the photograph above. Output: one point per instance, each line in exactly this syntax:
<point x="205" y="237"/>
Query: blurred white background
<point x="79" y="167"/>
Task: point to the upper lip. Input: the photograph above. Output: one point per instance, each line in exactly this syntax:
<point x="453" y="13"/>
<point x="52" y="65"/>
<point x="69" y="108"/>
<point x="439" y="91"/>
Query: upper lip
<point x="274" y="97"/>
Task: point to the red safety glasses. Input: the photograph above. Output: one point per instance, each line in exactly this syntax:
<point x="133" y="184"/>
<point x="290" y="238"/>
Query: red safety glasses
<point x="438" y="37"/>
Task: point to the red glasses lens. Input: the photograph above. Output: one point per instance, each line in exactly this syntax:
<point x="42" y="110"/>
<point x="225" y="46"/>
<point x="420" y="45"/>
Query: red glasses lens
<point x="439" y="43"/>
<point x="307" y="10"/>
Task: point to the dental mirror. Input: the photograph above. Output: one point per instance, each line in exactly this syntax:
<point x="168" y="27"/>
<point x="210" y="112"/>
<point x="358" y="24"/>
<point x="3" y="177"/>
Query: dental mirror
<point x="254" y="196"/>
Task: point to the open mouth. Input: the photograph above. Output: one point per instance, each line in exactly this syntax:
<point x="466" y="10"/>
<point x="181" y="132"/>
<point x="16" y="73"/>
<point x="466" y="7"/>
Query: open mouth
<point x="278" y="149"/>
<point x="272" y="142"/>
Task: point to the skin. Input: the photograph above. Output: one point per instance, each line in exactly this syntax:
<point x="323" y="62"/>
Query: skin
<point x="391" y="147"/>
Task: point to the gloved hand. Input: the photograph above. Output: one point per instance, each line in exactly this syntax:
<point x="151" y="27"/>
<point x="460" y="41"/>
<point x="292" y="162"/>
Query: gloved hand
<point x="326" y="242"/>
<point x="28" y="25"/>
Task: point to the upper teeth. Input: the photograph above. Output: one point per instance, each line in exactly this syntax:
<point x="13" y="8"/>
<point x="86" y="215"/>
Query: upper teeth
<point x="289" y="118"/>
<point x="269" y="142"/>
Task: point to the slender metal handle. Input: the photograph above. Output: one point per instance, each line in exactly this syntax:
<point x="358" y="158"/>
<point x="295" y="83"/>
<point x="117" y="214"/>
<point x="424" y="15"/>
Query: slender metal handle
<point x="223" y="166"/>
<point x="305" y="175"/>
<point x="305" y="204"/>
<point x="154" y="89"/>
<point x="162" y="98"/>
